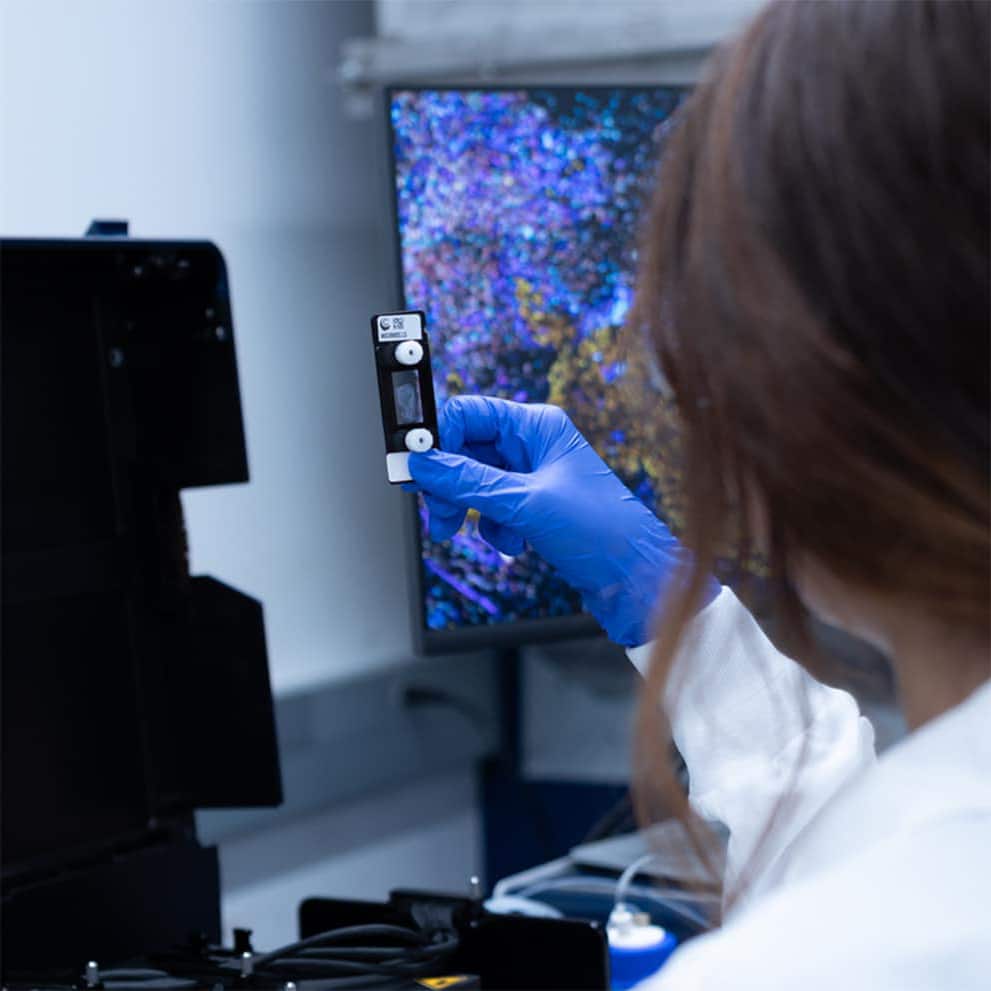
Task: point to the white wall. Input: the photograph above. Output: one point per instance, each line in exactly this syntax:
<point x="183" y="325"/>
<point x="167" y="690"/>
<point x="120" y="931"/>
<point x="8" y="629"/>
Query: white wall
<point x="222" y="120"/>
<point x="188" y="115"/>
<point x="425" y="835"/>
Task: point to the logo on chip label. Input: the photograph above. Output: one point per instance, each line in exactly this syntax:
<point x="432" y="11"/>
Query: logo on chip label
<point x="398" y="328"/>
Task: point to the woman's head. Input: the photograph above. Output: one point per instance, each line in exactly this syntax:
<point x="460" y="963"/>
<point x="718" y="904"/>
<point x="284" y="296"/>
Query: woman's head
<point x="815" y="281"/>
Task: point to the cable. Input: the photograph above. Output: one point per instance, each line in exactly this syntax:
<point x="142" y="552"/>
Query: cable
<point x="409" y="936"/>
<point x="415" y="953"/>
<point x="675" y="901"/>
<point x="128" y="978"/>
<point x="410" y="965"/>
<point x="375" y="953"/>
<point x="604" y="886"/>
<point x="327" y="960"/>
<point x="380" y="953"/>
<point x="626" y="878"/>
<point x="329" y="967"/>
<point x="133" y="973"/>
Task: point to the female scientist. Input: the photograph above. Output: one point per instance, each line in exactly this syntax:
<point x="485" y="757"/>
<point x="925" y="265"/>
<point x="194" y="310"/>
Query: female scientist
<point x="815" y="287"/>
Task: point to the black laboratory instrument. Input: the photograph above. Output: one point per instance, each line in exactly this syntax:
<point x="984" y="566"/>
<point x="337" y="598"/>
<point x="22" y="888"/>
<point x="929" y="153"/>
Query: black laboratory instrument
<point x="133" y="692"/>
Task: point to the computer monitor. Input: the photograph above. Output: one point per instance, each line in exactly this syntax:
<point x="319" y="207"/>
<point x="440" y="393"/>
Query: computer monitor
<point x="516" y="214"/>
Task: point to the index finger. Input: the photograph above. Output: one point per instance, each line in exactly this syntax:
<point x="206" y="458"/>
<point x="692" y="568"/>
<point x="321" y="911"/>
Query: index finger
<point x="468" y="420"/>
<point x="481" y="425"/>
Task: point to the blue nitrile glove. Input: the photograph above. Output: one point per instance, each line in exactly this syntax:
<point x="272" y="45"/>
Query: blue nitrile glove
<point x="535" y="480"/>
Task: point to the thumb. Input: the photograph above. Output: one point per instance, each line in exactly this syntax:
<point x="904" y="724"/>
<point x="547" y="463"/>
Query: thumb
<point x="469" y="484"/>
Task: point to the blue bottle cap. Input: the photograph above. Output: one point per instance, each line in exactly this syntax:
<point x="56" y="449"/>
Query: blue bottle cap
<point x="636" y="952"/>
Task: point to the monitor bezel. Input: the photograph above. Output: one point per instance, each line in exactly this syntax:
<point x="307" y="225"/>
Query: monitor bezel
<point x="512" y="633"/>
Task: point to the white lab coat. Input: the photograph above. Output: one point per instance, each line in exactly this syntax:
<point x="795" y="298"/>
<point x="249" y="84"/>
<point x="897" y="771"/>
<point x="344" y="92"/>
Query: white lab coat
<point x="879" y="874"/>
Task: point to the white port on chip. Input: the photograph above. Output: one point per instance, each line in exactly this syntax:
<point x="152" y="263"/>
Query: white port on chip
<point x="419" y="439"/>
<point x="409" y="353"/>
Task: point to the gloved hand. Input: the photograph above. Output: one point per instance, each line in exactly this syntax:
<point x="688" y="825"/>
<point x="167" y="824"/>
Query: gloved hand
<point x="535" y="480"/>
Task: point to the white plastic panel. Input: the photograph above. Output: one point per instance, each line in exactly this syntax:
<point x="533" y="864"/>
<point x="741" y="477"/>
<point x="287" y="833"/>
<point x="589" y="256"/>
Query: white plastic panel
<point x="397" y="466"/>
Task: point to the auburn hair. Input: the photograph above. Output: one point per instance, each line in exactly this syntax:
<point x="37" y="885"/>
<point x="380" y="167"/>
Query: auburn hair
<point x="814" y="282"/>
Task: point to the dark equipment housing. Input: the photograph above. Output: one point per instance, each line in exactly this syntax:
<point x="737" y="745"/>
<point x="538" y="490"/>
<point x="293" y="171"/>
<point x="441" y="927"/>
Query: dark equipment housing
<point x="132" y="692"/>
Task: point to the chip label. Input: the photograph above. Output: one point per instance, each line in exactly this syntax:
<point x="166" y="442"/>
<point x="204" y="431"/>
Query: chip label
<point x="399" y="327"/>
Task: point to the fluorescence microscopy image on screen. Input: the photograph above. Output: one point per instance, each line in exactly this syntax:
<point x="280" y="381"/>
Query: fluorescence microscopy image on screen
<point x="518" y="212"/>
